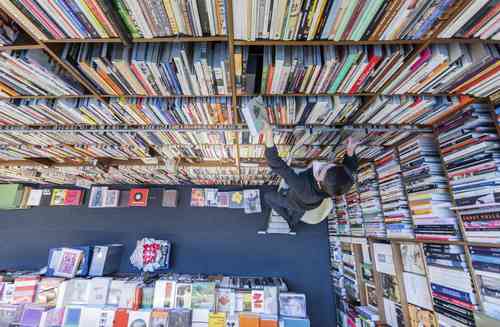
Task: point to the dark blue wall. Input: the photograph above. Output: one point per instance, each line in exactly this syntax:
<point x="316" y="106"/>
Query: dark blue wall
<point x="205" y="240"/>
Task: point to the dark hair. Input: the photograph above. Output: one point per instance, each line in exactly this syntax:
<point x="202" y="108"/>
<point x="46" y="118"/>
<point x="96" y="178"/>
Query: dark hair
<point x="329" y="183"/>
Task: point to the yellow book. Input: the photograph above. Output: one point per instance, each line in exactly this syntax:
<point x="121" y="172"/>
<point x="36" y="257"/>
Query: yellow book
<point x="217" y="319"/>
<point x="93" y="20"/>
<point x="57" y="198"/>
<point x="171" y="18"/>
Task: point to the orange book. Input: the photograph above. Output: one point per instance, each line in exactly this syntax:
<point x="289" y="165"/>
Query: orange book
<point x="121" y="318"/>
<point x="268" y="323"/>
<point x="117" y="89"/>
<point x="138" y="197"/>
<point x="249" y="320"/>
<point x="490" y="71"/>
<point x="270" y="76"/>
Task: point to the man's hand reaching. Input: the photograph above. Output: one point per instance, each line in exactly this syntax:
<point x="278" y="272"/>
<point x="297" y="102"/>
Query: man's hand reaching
<point x="268" y="135"/>
<point x="352" y="144"/>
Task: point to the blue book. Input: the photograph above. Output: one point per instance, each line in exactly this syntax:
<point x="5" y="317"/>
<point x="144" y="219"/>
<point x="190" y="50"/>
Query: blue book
<point x="295" y="322"/>
<point x="424" y="28"/>
<point x="72" y="317"/>
<point x="106" y="259"/>
<point x="83" y="269"/>
<point x="453" y="293"/>
<point x="486" y="259"/>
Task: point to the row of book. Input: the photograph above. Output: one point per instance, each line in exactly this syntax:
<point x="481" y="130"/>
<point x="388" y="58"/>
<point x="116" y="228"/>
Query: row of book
<point x="452" y="68"/>
<point x="153" y="68"/>
<point x="371" y="206"/>
<point x="171" y="18"/>
<point x="91" y="20"/>
<point x="249" y="200"/>
<point x="176" y="300"/>
<point x="338" y="20"/>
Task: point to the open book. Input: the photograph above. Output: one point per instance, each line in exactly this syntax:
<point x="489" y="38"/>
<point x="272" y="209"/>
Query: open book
<point x="255" y="115"/>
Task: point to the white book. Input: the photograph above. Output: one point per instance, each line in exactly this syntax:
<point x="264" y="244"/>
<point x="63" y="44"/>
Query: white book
<point x="34" y="198"/>
<point x="164" y="294"/>
<point x="417" y="290"/>
<point x="99" y="290"/>
<point x="383" y="258"/>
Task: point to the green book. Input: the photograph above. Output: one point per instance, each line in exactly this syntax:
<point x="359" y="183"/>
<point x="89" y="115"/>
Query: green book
<point x="10" y="196"/>
<point x="345" y="19"/>
<point x="354" y="53"/>
<point x="127" y="20"/>
<point x="366" y="18"/>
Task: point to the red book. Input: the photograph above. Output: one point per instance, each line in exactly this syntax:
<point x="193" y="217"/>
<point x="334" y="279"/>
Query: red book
<point x="121" y="318"/>
<point x="374" y="59"/>
<point x="73" y="198"/>
<point x="138" y="197"/>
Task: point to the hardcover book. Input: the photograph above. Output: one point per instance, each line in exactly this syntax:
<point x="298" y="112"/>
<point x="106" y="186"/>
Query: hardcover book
<point x="197" y="197"/>
<point x="170" y="199"/>
<point x="138" y="197"/>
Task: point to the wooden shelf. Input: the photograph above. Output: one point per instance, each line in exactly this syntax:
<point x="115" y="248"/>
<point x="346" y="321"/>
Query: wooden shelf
<point x="177" y="39"/>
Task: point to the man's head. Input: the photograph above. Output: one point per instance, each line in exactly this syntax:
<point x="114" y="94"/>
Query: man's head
<point x="329" y="182"/>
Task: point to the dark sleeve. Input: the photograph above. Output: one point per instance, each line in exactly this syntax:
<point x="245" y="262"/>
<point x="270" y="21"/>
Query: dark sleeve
<point x="280" y="167"/>
<point x="351" y="163"/>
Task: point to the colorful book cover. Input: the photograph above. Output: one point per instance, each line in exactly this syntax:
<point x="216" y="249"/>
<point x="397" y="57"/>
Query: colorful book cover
<point x="159" y="318"/>
<point x="183" y="296"/>
<point x="223" y="199"/>
<point x="197" y="197"/>
<point x="236" y="200"/>
<point x="138" y="197"/>
<point x="252" y="201"/>
<point x="73" y="197"/>
<point x="203" y="295"/>
<point x="58" y="196"/>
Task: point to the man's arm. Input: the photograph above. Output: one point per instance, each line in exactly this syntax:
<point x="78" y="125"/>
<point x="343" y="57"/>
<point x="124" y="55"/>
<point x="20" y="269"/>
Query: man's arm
<point x="277" y="164"/>
<point x="350" y="159"/>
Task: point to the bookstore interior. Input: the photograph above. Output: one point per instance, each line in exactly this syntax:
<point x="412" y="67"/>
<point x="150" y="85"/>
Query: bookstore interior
<point x="104" y="102"/>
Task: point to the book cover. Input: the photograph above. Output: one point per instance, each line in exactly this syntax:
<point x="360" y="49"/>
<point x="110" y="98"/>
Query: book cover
<point x="236" y="200"/>
<point x="252" y="201"/>
<point x="111" y="198"/>
<point x="97" y="195"/>
<point x="223" y="199"/>
<point x="139" y="318"/>
<point x="210" y="197"/>
<point x="34" y="198"/>
<point x="293" y="305"/>
<point x="170" y="199"/>
<point x="159" y="318"/>
<point x="217" y="319"/>
<point x="183" y="296"/>
<point x="258" y="301"/>
<point x="57" y="198"/>
<point x="413" y="259"/>
<point x="197" y="197"/>
<point x="226" y="299"/>
<point x="203" y="295"/>
<point x="138" y="197"/>
<point x="179" y="317"/>
<point x="106" y="259"/>
<point x="255" y="115"/>
<point x="65" y="262"/>
<point x="73" y="197"/>
<point x="123" y="198"/>
<point x="72" y="317"/>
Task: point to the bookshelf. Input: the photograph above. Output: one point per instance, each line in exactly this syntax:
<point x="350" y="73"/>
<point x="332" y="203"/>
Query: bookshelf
<point x="28" y="40"/>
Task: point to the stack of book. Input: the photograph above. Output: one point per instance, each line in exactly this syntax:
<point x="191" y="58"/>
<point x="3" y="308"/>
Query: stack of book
<point x="469" y="145"/>
<point x="316" y="152"/>
<point x="342" y="217"/>
<point x="284" y="138"/>
<point x="308" y="110"/>
<point x="408" y="110"/>
<point x="141" y="175"/>
<point x="14" y="196"/>
<point x="257" y="151"/>
<point x="160" y="19"/>
<point x="452" y="68"/>
<point x="78" y="19"/>
<point x="427" y="190"/>
<point x="371" y="206"/>
<point x="211" y="175"/>
<point x="478" y="19"/>
<point x="153" y="68"/>
<point x="336" y="20"/>
<point x="328" y="69"/>
<point x="354" y="212"/>
<point x="32" y="72"/>
<point x="55" y="175"/>
<point x="486" y="263"/>
<point x="453" y="295"/>
<point x="394" y="202"/>
<point x="481" y="223"/>
<point x="9" y="30"/>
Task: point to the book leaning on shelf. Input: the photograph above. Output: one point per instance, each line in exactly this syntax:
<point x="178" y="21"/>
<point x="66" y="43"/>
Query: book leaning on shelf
<point x="153" y="68"/>
<point x="32" y="72"/>
<point x="9" y="30"/>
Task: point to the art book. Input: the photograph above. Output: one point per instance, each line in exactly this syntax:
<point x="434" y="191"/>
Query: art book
<point x="164" y="294"/>
<point x="138" y="197"/>
<point x="73" y="198"/>
<point x="255" y="115"/>
<point x="413" y="259"/>
<point x="97" y="195"/>
<point x="34" y="198"/>
<point x="111" y="199"/>
<point x="203" y="295"/>
<point x="226" y="300"/>
<point x="183" y="296"/>
<point x="293" y="305"/>
<point x="65" y="262"/>
<point x="197" y="197"/>
<point x="169" y="198"/>
<point x="211" y="197"/>
<point x="252" y="201"/>
<point x="223" y="199"/>
<point x="58" y="196"/>
<point x="236" y="200"/>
